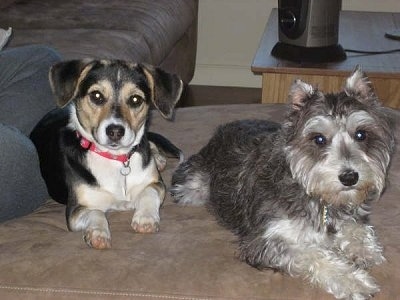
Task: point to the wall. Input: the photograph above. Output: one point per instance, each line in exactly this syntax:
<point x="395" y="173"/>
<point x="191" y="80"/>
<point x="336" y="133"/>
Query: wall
<point x="229" y="33"/>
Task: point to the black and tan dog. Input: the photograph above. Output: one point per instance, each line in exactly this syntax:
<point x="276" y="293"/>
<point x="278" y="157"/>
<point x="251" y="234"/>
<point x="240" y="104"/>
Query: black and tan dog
<point x="94" y="151"/>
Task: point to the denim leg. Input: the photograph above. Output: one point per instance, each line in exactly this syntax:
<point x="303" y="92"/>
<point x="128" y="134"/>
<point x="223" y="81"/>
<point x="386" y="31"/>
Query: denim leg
<point x="25" y="93"/>
<point x="25" y="97"/>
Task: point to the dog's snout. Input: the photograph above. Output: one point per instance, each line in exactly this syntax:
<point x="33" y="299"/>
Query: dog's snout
<point x="115" y="132"/>
<point x="348" y="177"/>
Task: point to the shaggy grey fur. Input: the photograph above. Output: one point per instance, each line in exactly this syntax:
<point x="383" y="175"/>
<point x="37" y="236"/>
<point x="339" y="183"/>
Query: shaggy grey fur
<point x="298" y="195"/>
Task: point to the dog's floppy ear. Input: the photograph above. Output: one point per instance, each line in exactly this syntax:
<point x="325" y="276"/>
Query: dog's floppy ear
<point x="299" y="92"/>
<point x="64" y="77"/>
<point x="360" y="87"/>
<point x="166" y="89"/>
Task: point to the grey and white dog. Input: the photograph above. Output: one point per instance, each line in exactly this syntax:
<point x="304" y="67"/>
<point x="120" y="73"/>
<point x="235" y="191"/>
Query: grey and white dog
<point x="298" y="195"/>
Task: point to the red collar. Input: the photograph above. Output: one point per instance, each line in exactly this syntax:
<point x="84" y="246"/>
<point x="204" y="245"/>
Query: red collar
<point x="88" y="145"/>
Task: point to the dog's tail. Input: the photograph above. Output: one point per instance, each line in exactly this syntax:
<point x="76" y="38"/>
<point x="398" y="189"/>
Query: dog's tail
<point x="191" y="182"/>
<point x="165" y="145"/>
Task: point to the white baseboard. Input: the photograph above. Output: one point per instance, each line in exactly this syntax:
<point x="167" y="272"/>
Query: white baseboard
<point x="226" y="75"/>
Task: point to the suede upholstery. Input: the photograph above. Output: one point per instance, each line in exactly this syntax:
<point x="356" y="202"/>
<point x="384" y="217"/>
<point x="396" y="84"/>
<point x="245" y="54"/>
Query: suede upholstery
<point x="192" y="257"/>
<point x="161" y="33"/>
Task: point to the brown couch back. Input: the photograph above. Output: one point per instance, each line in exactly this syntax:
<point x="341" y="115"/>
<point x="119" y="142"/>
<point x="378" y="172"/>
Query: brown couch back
<point x="157" y="32"/>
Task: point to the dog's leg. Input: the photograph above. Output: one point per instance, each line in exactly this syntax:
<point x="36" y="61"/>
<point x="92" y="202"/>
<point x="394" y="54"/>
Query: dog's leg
<point x="94" y="225"/>
<point x="331" y="272"/>
<point x="300" y="252"/>
<point x="146" y="218"/>
<point x="160" y="159"/>
<point x="359" y="244"/>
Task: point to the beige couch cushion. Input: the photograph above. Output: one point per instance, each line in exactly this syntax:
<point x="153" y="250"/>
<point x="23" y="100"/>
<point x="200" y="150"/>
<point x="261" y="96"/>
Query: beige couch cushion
<point x="192" y="257"/>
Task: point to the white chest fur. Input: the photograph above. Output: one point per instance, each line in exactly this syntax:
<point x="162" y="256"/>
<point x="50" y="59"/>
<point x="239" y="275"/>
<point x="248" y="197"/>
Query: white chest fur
<point x="114" y="186"/>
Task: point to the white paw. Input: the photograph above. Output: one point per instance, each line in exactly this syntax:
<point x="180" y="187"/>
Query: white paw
<point x="97" y="238"/>
<point x="145" y="223"/>
<point x="370" y="259"/>
<point x="357" y="285"/>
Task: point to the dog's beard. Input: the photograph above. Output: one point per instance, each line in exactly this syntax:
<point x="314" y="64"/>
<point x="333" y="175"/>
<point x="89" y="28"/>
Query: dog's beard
<point x="321" y="179"/>
<point x="326" y="187"/>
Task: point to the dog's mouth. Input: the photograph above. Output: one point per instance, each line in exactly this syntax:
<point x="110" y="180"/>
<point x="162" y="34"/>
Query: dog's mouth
<point x="348" y="188"/>
<point x="352" y="195"/>
<point x="119" y="147"/>
<point x="114" y="145"/>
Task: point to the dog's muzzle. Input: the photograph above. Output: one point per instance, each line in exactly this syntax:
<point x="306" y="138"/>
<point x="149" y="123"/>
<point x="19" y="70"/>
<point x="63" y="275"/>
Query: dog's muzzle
<point x="115" y="135"/>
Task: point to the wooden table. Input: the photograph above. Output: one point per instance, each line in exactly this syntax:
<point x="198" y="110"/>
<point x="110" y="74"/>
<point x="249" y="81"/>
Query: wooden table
<point x="357" y="30"/>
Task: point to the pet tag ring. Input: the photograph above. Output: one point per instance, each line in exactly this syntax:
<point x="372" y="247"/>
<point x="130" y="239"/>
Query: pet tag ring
<point x="126" y="169"/>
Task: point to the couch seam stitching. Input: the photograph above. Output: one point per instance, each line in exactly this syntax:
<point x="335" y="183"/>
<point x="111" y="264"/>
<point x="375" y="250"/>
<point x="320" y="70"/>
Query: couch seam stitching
<point x="91" y="292"/>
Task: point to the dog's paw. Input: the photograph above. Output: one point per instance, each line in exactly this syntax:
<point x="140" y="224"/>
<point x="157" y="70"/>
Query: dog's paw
<point x="356" y="285"/>
<point x="365" y="255"/>
<point x="366" y="288"/>
<point x="145" y="224"/>
<point x="97" y="238"/>
<point x="369" y="260"/>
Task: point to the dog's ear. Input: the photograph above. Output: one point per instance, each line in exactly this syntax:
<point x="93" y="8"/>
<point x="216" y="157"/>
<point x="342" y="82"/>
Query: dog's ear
<point x="166" y="89"/>
<point x="64" y="77"/>
<point x="360" y="87"/>
<point x="299" y="92"/>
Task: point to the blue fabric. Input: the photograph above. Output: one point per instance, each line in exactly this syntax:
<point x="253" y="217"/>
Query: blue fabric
<point x="25" y="97"/>
<point x="25" y="93"/>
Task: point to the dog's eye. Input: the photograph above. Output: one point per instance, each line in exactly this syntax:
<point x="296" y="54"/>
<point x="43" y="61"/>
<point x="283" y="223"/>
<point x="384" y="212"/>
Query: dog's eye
<point x="360" y="135"/>
<point x="97" y="98"/>
<point x="135" y="100"/>
<point x="319" y="139"/>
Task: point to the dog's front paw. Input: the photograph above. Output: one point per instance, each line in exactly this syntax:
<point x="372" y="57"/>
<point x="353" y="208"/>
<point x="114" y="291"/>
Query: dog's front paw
<point x="97" y="238"/>
<point x="366" y="288"/>
<point x="359" y="244"/>
<point x="354" y="285"/>
<point x="369" y="260"/>
<point x="145" y="224"/>
<point x="365" y="255"/>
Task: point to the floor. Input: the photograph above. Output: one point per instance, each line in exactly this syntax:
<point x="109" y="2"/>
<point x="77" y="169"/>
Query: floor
<point x="195" y="95"/>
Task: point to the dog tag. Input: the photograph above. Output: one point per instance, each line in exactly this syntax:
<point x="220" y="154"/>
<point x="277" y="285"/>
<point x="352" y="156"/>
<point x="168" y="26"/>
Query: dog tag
<point x="126" y="169"/>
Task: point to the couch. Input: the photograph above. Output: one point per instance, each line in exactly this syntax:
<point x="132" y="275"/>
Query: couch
<point x="162" y="33"/>
<point x="192" y="257"/>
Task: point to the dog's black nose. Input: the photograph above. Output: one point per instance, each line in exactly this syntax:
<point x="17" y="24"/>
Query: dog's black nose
<point x="115" y="132"/>
<point x="348" y="177"/>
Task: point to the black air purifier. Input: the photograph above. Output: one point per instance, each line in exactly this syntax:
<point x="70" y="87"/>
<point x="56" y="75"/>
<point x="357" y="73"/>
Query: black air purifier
<point x="308" y="31"/>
